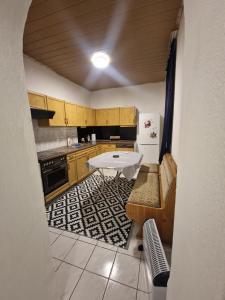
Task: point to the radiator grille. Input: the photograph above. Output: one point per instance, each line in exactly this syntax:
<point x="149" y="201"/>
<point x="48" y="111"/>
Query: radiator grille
<point x="155" y="255"/>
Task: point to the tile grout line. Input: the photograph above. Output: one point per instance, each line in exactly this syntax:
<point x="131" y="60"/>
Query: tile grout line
<point x="67" y="252"/>
<point x="82" y="271"/>
<point x="109" y="275"/>
<point x="138" y="277"/>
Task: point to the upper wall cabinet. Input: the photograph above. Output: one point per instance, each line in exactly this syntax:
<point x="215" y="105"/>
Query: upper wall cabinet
<point x="128" y="116"/>
<point x="90" y="117"/>
<point x="101" y="117"/>
<point x="37" y="100"/>
<point x="107" y="117"/>
<point x="113" y="116"/>
<point x="81" y="116"/>
<point x="70" y="112"/>
<point x="58" y="106"/>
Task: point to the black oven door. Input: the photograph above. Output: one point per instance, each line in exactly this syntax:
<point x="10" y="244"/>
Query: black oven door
<point x="54" y="178"/>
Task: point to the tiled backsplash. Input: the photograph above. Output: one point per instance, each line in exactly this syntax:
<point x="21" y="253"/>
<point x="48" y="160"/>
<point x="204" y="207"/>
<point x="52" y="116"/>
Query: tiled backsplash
<point x="52" y="137"/>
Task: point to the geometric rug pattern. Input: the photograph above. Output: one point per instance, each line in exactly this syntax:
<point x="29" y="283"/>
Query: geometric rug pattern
<point x="84" y="210"/>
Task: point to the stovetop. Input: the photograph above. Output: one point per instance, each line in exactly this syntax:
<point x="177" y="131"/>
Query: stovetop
<point x="49" y="154"/>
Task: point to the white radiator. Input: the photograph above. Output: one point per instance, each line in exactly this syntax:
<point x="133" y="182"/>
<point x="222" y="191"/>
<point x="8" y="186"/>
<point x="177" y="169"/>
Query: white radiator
<point x="157" y="268"/>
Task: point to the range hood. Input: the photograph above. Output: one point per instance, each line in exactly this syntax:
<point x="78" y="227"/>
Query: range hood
<point x="37" y="113"/>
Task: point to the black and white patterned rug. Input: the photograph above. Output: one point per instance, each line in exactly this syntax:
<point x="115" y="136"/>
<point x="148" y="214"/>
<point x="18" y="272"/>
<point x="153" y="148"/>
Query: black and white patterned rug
<point x="84" y="210"/>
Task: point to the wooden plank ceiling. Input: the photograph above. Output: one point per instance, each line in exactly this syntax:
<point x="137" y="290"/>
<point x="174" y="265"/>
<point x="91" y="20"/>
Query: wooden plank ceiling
<point x="63" y="34"/>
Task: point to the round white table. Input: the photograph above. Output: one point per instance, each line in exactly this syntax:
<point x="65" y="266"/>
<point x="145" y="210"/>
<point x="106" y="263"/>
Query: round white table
<point x="122" y="162"/>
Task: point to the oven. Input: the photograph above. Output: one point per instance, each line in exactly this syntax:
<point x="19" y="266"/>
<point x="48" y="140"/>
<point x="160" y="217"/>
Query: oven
<point x="54" y="173"/>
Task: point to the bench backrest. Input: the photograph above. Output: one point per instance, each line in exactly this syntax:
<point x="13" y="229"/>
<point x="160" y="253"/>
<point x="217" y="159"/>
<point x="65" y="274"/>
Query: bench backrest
<point x="167" y="179"/>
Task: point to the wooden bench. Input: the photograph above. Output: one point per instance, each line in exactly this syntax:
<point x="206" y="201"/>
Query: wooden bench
<point x="153" y="196"/>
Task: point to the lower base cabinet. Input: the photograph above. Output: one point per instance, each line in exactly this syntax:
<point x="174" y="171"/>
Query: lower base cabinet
<point x="125" y="149"/>
<point x="82" y="169"/>
<point x="72" y="169"/>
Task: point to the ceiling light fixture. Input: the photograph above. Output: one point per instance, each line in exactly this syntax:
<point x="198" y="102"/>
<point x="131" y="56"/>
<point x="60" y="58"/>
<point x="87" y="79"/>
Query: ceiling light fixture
<point x="100" y="60"/>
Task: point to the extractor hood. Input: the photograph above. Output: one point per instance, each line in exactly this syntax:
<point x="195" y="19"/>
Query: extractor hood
<point x="37" y="113"/>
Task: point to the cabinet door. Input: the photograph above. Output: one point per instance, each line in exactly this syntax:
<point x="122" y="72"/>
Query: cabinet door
<point x="92" y="153"/>
<point x="72" y="170"/>
<point x="82" y="169"/>
<point x="128" y="116"/>
<point x="37" y="100"/>
<point x="70" y="111"/>
<point x="113" y="117"/>
<point x="59" y="107"/>
<point x="108" y="148"/>
<point x="90" y="115"/>
<point x="101" y="117"/>
<point x="125" y="149"/>
<point x="81" y="116"/>
<point x="98" y="149"/>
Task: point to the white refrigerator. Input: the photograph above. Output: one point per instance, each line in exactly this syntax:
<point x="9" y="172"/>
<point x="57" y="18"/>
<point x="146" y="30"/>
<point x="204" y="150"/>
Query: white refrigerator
<point x="148" y="141"/>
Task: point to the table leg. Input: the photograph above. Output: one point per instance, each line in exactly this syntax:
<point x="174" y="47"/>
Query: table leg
<point x="103" y="180"/>
<point x="118" y="173"/>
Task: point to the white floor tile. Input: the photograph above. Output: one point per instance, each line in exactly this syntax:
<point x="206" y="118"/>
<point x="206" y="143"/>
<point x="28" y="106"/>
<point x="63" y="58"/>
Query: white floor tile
<point x="80" y="254"/>
<point x="90" y="287"/>
<point x="67" y="277"/>
<point x="61" y="247"/>
<point x="87" y="240"/>
<point x="117" y="291"/>
<point x="132" y="249"/>
<point x="71" y="235"/>
<point x="52" y="237"/>
<point x="143" y="296"/>
<point x="101" y="261"/>
<point x="125" y="270"/>
<point x="142" y="283"/>
<point x="56" y="263"/>
<point x="55" y="230"/>
<point x="107" y="246"/>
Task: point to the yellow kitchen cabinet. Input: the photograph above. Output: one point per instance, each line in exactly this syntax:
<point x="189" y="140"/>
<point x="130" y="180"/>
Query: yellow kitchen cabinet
<point x="107" y="117"/>
<point x="92" y="152"/>
<point x="82" y="168"/>
<point x="125" y="149"/>
<point x="98" y="149"/>
<point x="90" y="116"/>
<point x="70" y="112"/>
<point x="101" y="117"/>
<point x="82" y="158"/>
<point x="59" y="107"/>
<point x="81" y="115"/>
<point x="37" y="100"/>
<point x="107" y="148"/>
<point x="128" y="116"/>
<point x="113" y="116"/>
<point x="72" y="168"/>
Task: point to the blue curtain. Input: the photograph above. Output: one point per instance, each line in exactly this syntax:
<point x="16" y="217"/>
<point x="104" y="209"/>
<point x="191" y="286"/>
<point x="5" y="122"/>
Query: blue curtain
<point x="168" y="115"/>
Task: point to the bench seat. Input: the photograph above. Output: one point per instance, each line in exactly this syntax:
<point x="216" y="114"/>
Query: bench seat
<point x="153" y="196"/>
<point x="149" y="168"/>
<point x="146" y="190"/>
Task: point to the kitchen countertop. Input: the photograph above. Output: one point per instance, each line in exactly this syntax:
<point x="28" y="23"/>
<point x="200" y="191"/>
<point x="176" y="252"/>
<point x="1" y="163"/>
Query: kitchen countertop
<point x="54" y="153"/>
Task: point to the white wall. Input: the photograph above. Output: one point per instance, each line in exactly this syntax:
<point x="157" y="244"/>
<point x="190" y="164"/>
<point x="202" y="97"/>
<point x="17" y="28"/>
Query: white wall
<point x="40" y="78"/>
<point x="178" y="92"/>
<point x="148" y="97"/>
<point x="24" y="252"/>
<point x="198" y="256"/>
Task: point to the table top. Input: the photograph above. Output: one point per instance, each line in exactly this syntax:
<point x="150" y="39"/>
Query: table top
<point x="107" y="161"/>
